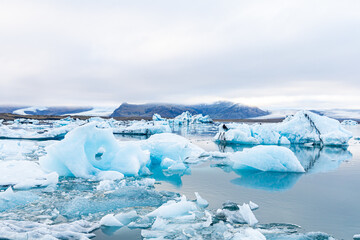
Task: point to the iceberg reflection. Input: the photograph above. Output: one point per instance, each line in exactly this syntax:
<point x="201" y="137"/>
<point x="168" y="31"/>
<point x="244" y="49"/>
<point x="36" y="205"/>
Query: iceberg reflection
<point x="268" y="181"/>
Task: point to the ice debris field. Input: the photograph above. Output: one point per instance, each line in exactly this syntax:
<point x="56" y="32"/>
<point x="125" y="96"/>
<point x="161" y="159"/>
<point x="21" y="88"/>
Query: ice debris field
<point x="72" y="179"/>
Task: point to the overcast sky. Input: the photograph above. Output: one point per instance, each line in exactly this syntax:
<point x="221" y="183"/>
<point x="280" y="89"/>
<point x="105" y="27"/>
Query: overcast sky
<point x="271" y="54"/>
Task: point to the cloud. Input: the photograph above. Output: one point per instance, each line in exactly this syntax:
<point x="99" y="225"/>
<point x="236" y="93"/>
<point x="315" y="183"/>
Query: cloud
<point x="287" y="53"/>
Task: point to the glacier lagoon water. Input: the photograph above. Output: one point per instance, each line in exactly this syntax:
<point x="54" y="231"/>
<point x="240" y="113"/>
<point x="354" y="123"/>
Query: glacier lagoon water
<point x="323" y="199"/>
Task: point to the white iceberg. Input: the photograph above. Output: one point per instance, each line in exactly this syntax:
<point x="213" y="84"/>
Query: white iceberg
<point x="25" y="175"/>
<point x="349" y="122"/>
<point x="303" y="128"/>
<point x="119" y="220"/>
<point x="33" y="133"/>
<point x="237" y="214"/>
<point x="200" y="201"/>
<point x="144" y="128"/>
<point x="184" y="119"/>
<point x="171" y="150"/>
<point x="157" y="117"/>
<point x="19" y="230"/>
<point x="173" y="209"/>
<point x="188" y="118"/>
<point x="87" y="151"/>
<point x="266" y="158"/>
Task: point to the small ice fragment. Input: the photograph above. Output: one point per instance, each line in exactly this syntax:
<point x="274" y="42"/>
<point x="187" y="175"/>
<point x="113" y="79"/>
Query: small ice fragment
<point x="200" y="201"/>
<point x="110" y="221"/>
<point x="253" y="206"/>
<point x="127" y="217"/>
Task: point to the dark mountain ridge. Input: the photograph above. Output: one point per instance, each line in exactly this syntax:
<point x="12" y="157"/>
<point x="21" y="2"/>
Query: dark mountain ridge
<point x="217" y="110"/>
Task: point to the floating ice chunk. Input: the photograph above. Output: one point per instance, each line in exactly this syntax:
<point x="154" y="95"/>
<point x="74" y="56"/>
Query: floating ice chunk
<point x="241" y="133"/>
<point x="34" y="132"/>
<point x="197" y="223"/>
<point x="25" y="175"/>
<point x="109" y="175"/>
<point x="253" y="206"/>
<point x="172" y="165"/>
<point x="157" y="117"/>
<point x="187" y="118"/>
<point x="17" y="150"/>
<point x="356" y="237"/>
<point x="19" y="230"/>
<point x="171" y="146"/>
<point x="247" y="214"/>
<point x="144" y="128"/>
<point x="247" y="234"/>
<point x="119" y="220"/>
<point x="303" y="128"/>
<point x="110" y="221"/>
<point x="199" y="118"/>
<point x="106" y="185"/>
<point x="173" y="209"/>
<point x="88" y="150"/>
<point x="266" y="158"/>
<point x="242" y="215"/>
<point x="127" y="217"/>
<point x="200" y="201"/>
<point x="349" y="123"/>
<point x="308" y="127"/>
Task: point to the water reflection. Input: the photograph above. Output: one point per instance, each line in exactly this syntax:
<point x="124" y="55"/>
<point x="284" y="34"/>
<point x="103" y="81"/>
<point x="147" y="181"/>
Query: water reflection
<point x="268" y="181"/>
<point x="172" y="177"/>
<point x="321" y="160"/>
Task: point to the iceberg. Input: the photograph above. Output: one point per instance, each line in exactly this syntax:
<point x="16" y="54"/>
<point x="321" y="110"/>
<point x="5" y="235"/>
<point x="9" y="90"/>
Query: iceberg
<point x="200" y="201"/>
<point x="184" y="119"/>
<point x="25" y="175"/>
<point x="119" y="220"/>
<point x="87" y="151"/>
<point x="171" y="150"/>
<point x="243" y="214"/>
<point x="31" y="133"/>
<point x="266" y="158"/>
<point x="349" y="123"/>
<point x="157" y="117"/>
<point x="173" y="209"/>
<point x="18" y="150"/>
<point x="144" y="128"/>
<point x="304" y="127"/>
<point x="188" y="118"/>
